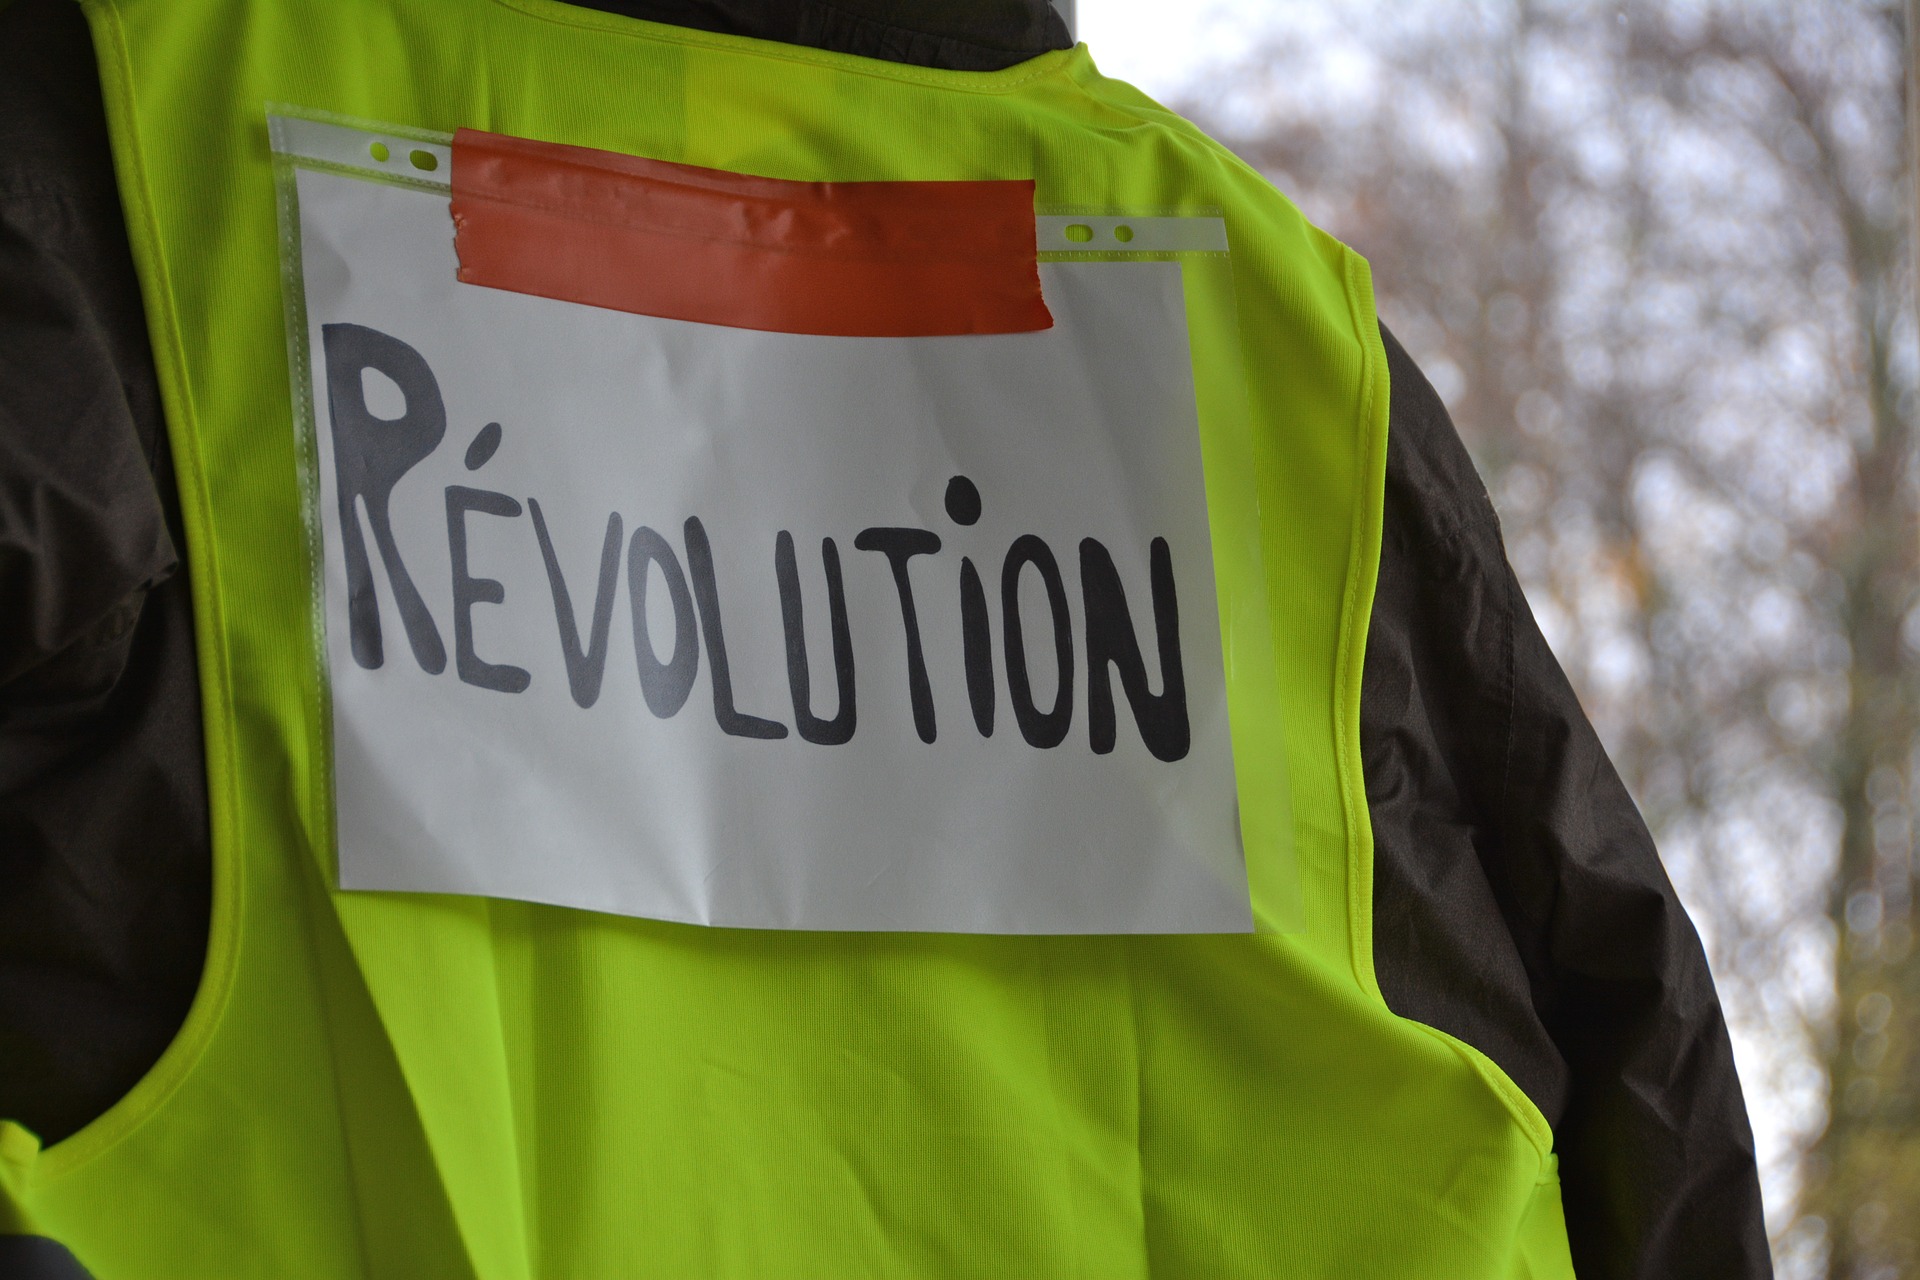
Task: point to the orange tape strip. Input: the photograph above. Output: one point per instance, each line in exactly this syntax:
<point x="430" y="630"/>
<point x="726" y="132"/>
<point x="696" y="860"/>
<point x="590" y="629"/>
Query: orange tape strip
<point x="849" y="259"/>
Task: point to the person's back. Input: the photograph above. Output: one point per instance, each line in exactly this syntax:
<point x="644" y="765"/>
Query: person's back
<point x="736" y="980"/>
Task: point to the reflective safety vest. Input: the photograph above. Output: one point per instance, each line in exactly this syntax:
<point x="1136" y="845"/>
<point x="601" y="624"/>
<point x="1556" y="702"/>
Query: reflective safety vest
<point x="781" y="641"/>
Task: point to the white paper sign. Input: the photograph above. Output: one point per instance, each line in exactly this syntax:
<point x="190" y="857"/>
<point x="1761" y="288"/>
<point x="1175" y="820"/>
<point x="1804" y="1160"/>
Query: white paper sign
<point x="572" y="677"/>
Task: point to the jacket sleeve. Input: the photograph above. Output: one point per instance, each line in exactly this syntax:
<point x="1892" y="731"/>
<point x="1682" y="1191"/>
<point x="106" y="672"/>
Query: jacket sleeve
<point x="1519" y="901"/>
<point x="104" y="869"/>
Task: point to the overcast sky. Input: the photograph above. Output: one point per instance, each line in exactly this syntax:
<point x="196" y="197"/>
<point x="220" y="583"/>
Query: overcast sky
<point x="1159" y="47"/>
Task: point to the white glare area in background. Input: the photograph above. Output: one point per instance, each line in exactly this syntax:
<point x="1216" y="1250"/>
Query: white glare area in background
<point x="1161" y="49"/>
<point x="1172" y="58"/>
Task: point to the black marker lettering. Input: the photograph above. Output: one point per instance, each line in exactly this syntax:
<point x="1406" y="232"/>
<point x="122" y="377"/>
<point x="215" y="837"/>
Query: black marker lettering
<point x="1111" y="640"/>
<point x="585" y="667"/>
<point x="976" y="647"/>
<point x="962" y="500"/>
<point x="707" y="594"/>
<point x="1040" y="729"/>
<point x="480" y="449"/>
<point x="811" y="727"/>
<point x="370" y="455"/>
<point x="469" y="590"/>
<point x="900" y="546"/>
<point x="665" y="685"/>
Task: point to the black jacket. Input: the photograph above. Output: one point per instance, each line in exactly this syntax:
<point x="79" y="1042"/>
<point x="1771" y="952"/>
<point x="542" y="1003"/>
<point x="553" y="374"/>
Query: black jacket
<point x="1518" y="900"/>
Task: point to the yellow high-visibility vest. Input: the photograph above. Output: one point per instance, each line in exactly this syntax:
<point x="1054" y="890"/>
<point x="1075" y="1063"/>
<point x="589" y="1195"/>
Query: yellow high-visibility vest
<point x="781" y="641"/>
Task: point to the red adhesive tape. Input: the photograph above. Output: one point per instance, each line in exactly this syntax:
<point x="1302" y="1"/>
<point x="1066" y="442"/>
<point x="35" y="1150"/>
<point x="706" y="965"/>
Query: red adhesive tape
<point x="847" y="259"/>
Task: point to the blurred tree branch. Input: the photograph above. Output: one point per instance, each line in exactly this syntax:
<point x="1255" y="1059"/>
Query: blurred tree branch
<point x="1658" y="260"/>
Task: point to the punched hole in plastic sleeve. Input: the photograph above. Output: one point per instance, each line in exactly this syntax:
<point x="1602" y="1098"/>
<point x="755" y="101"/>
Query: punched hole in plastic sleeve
<point x="842" y="259"/>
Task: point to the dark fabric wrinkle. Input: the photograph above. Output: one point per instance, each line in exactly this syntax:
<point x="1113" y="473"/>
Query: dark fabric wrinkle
<point x="104" y="863"/>
<point x="82" y="526"/>
<point x="1519" y="903"/>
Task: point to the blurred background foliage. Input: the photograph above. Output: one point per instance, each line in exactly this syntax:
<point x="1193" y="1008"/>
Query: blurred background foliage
<point x="1657" y="260"/>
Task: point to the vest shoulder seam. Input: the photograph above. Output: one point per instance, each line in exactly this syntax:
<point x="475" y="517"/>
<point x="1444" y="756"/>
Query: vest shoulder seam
<point x="983" y="82"/>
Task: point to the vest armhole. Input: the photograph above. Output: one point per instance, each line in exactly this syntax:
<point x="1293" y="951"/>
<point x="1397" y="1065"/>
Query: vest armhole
<point x="178" y="1060"/>
<point x="1362" y="576"/>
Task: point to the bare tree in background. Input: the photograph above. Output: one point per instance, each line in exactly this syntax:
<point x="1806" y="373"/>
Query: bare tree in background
<point x="1656" y="259"/>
